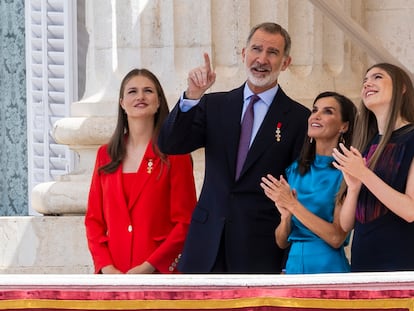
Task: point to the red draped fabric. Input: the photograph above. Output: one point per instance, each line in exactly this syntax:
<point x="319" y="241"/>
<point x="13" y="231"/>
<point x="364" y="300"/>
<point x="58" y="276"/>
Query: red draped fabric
<point x="373" y="294"/>
<point x="257" y="298"/>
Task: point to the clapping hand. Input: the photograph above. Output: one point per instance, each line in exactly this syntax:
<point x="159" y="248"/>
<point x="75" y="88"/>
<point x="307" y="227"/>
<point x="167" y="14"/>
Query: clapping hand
<point x="351" y="163"/>
<point x="279" y="192"/>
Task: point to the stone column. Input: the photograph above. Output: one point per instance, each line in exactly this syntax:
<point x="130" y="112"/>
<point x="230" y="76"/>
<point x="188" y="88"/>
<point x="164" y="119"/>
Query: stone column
<point x="92" y="118"/>
<point x="169" y="38"/>
<point x="391" y="23"/>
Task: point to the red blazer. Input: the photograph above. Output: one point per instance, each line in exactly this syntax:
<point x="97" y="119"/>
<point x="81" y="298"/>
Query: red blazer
<point x="153" y="225"/>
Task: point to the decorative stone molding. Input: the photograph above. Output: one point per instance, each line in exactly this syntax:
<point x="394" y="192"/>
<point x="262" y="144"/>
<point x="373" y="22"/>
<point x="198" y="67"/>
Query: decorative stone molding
<point x="68" y="195"/>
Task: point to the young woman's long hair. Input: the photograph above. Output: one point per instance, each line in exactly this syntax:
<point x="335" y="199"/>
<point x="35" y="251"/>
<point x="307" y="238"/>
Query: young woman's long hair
<point x="117" y="143"/>
<point x="402" y="105"/>
<point x="348" y="114"/>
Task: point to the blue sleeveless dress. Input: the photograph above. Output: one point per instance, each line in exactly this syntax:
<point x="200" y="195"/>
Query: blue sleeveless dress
<point x="316" y="190"/>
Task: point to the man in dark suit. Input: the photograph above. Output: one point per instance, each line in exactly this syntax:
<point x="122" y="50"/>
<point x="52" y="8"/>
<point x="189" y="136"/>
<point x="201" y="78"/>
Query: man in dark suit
<point x="233" y="224"/>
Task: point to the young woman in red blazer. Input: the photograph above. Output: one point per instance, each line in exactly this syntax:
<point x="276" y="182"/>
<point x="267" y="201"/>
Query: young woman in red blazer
<point x="140" y="200"/>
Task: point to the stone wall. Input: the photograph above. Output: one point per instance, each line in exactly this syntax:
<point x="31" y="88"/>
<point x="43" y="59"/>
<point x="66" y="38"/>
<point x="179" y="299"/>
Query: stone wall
<point x="44" y="245"/>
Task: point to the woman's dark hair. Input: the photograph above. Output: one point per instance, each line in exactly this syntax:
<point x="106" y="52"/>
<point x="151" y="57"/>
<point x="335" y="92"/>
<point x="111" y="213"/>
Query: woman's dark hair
<point x="117" y="143"/>
<point x="348" y="114"/>
<point x="272" y="28"/>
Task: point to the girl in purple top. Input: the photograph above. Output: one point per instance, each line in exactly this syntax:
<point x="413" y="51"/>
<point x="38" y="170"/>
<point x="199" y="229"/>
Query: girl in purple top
<point x="379" y="202"/>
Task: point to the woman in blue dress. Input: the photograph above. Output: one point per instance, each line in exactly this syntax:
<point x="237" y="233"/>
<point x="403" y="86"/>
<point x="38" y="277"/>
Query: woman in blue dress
<point x="379" y="171"/>
<point x="306" y="199"/>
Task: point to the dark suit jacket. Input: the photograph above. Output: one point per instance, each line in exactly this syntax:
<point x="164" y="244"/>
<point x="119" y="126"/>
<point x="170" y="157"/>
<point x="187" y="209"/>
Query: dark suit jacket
<point x="238" y="210"/>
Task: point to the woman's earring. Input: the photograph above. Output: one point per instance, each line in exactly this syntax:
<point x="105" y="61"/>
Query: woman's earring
<point x="311" y="140"/>
<point x="341" y="138"/>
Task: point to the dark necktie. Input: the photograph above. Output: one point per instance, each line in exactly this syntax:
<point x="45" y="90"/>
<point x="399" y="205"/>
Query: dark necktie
<point x="245" y="134"/>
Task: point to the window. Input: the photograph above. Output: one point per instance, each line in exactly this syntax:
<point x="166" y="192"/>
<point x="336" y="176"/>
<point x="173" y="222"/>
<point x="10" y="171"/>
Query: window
<point x="51" y="73"/>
